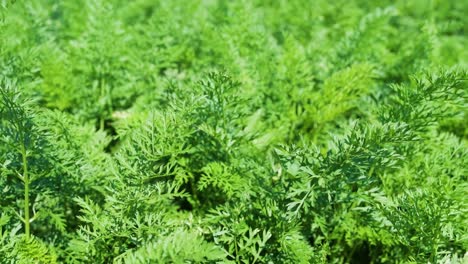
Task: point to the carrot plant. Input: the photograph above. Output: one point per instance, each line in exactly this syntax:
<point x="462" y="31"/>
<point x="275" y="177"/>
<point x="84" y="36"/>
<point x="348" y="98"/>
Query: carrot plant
<point x="177" y="131"/>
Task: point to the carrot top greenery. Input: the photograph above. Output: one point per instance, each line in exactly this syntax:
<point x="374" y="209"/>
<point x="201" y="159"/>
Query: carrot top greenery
<point x="247" y="131"/>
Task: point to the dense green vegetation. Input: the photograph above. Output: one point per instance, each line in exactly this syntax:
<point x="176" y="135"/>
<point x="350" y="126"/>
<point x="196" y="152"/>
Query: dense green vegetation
<point x="247" y="131"/>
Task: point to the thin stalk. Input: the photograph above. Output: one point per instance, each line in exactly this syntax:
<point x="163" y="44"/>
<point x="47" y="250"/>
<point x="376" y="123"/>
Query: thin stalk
<point x="102" y="96"/>
<point x="101" y="124"/>
<point x="26" y="192"/>
<point x="237" y="252"/>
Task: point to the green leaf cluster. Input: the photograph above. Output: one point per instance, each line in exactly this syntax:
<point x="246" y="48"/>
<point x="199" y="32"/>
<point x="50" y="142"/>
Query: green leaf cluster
<point x="258" y="131"/>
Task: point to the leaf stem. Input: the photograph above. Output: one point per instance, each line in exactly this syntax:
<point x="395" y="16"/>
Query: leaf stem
<point x="26" y="192"/>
